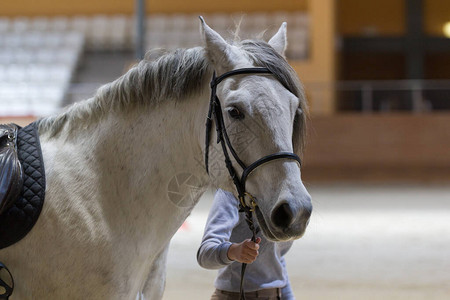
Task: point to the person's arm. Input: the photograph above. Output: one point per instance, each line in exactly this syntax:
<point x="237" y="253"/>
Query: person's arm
<point x="286" y="291"/>
<point x="223" y="217"/>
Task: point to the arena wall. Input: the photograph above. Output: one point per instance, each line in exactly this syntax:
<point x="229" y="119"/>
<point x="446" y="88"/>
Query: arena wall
<point x="358" y="147"/>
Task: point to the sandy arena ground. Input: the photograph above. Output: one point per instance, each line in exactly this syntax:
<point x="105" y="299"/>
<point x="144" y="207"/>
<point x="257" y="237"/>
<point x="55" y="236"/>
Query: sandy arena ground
<point x="363" y="242"/>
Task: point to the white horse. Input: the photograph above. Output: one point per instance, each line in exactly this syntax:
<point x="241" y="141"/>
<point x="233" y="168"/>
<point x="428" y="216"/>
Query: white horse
<point x="114" y="162"/>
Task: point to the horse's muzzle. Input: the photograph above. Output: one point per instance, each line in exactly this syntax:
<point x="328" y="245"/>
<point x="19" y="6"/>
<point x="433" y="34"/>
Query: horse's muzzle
<point x="287" y="221"/>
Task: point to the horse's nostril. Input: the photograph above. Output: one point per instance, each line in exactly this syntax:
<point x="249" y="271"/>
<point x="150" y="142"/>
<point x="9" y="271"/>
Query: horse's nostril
<point x="283" y="215"/>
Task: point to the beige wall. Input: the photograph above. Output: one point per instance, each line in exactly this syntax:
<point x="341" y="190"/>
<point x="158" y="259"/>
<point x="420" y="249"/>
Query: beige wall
<point x="66" y="7"/>
<point x="378" y="147"/>
<point x="436" y="14"/>
<point x="320" y="67"/>
<point x="386" y="17"/>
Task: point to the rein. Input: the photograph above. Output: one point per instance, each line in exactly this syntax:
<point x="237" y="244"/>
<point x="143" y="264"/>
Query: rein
<point x="215" y="111"/>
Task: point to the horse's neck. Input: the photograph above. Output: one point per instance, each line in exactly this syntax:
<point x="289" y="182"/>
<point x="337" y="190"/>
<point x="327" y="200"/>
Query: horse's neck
<point x="149" y="150"/>
<point x="161" y="142"/>
<point x="131" y="165"/>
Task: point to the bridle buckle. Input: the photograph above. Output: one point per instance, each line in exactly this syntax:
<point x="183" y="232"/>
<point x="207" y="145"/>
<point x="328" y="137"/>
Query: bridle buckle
<point x="252" y="199"/>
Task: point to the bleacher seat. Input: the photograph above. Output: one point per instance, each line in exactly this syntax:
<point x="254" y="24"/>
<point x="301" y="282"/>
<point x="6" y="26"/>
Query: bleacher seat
<point x="39" y="55"/>
<point x="37" y="60"/>
<point x="59" y="24"/>
<point x="20" y="24"/>
<point x="4" y="25"/>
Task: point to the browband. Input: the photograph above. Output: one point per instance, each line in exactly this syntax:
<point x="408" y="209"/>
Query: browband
<point x="217" y="80"/>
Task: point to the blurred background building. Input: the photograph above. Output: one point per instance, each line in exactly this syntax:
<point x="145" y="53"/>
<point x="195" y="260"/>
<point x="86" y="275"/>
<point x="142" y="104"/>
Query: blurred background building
<point x="377" y="73"/>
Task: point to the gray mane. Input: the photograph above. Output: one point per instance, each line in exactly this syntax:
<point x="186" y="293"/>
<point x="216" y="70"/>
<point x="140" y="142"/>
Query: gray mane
<point x="171" y="76"/>
<point x="160" y="75"/>
<point x="174" y="75"/>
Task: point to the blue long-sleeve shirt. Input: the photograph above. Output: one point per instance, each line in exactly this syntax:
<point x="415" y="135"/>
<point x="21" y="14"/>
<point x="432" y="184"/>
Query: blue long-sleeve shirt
<point x="225" y="225"/>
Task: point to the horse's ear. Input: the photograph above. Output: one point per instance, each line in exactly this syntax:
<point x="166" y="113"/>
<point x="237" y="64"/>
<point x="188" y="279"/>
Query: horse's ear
<point x="218" y="49"/>
<point x="279" y="40"/>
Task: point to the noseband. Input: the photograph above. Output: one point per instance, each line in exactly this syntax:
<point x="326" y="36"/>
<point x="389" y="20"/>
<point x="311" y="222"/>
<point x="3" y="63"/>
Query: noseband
<point x="215" y="110"/>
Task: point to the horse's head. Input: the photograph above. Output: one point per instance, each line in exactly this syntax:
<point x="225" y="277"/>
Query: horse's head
<point x="264" y="114"/>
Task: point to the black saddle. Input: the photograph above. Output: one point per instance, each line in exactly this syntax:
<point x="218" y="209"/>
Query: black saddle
<point x="11" y="173"/>
<point x="22" y="188"/>
<point x="11" y="183"/>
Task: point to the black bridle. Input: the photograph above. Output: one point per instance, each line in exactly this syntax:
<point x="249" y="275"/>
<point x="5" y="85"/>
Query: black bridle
<point x="222" y="138"/>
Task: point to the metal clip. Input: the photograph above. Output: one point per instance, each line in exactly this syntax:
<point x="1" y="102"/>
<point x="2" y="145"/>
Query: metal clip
<point x="253" y="203"/>
<point x="10" y="135"/>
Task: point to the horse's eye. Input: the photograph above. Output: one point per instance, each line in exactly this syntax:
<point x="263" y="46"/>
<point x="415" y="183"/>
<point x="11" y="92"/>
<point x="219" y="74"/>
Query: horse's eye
<point x="235" y="113"/>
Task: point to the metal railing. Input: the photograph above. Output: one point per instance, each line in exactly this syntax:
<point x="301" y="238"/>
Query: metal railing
<point x="414" y="96"/>
<point x="382" y="96"/>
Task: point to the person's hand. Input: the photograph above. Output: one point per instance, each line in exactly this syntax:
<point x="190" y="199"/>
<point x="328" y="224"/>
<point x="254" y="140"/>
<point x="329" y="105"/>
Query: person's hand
<point x="245" y="252"/>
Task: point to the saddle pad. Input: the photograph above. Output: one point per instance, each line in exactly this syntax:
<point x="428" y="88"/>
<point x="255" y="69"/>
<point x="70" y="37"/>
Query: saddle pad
<point x="20" y="218"/>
